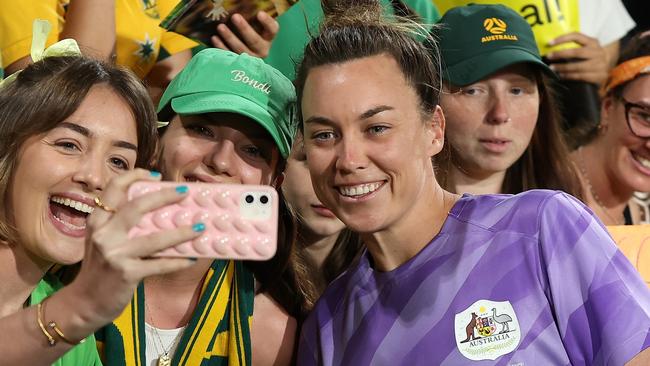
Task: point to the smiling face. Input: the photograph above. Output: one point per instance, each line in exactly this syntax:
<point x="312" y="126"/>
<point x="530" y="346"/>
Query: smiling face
<point x="368" y="146"/>
<point x="490" y="123"/>
<point x="628" y="156"/>
<point x="218" y="148"/>
<point x="315" y="218"/>
<point x="59" y="173"/>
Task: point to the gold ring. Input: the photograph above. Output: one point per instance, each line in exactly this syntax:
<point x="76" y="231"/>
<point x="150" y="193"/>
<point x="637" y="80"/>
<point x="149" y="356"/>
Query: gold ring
<point x="99" y="204"/>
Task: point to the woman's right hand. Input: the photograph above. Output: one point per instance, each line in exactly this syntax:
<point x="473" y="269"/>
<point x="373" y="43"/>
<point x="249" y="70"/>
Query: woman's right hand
<point x="113" y="264"/>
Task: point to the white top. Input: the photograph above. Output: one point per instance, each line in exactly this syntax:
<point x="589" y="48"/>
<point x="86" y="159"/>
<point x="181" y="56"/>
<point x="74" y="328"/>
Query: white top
<point x="168" y="337"/>
<point x="606" y="20"/>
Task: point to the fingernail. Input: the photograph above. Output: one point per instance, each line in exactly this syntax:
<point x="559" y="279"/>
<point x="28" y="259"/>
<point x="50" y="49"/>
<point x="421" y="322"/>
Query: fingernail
<point x="155" y="174"/>
<point x="198" y="227"/>
<point x="182" y="189"/>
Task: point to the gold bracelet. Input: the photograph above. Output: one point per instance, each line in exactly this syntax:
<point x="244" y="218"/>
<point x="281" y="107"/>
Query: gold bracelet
<point x="55" y="328"/>
<point x="39" y="317"/>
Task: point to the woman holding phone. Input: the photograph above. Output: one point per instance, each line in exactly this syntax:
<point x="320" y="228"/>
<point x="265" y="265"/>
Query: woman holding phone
<point x="229" y="121"/>
<point x="72" y="132"/>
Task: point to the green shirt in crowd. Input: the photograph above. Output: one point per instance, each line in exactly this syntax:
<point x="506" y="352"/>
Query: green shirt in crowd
<point x="303" y="19"/>
<point x="84" y="354"/>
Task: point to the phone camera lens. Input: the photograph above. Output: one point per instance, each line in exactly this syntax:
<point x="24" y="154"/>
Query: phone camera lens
<point x="264" y="199"/>
<point x="249" y="199"/>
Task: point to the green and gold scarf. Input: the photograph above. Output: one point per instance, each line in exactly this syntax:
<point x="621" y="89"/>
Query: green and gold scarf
<point x="217" y="334"/>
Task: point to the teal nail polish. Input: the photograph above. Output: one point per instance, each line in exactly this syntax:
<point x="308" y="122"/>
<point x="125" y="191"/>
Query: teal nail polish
<point x="182" y="189"/>
<point x="155" y="174"/>
<point x="198" y="227"/>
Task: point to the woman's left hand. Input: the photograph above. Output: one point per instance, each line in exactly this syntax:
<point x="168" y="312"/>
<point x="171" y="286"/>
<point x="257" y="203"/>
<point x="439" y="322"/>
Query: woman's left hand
<point x="251" y="42"/>
<point x="591" y="63"/>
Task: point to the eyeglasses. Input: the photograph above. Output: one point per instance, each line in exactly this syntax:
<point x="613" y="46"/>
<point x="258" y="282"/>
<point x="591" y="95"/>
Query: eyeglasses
<point x="638" y="118"/>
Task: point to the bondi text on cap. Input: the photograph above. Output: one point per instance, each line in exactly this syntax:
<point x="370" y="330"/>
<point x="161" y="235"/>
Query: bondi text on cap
<point x="240" y="76"/>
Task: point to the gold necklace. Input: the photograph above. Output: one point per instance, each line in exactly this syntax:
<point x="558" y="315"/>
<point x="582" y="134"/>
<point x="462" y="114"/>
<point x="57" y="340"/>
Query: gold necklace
<point x="164" y="358"/>
<point x="583" y="171"/>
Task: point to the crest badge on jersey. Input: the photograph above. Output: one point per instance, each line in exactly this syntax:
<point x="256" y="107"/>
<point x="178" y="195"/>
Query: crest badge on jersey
<point x="150" y="8"/>
<point x="487" y="330"/>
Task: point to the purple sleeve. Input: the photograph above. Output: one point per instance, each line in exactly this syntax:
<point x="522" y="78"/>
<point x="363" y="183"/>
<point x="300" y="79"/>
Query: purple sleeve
<point x="307" y="346"/>
<point x="601" y="304"/>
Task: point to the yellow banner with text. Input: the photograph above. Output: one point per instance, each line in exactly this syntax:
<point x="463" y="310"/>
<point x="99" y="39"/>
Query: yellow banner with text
<point x="549" y="19"/>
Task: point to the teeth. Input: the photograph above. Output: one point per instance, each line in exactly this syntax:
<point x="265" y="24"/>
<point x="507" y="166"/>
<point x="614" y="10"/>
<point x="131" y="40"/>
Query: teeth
<point x="79" y="206"/>
<point x="359" y="190"/>
<point x="645" y="162"/>
<point x="69" y="225"/>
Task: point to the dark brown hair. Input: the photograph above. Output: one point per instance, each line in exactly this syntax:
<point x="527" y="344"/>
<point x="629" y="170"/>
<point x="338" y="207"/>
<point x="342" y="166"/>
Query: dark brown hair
<point x="350" y="31"/>
<point x="637" y="46"/>
<point x="275" y="276"/>
<point x="545" y="164"/>
<point x="353" y="30"/>
<point x="47" y="92"/>
<point x="345" y="251"/>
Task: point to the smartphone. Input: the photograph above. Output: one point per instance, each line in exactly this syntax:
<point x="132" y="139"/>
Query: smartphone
<point x="198" y="19"/>
<point x="241" y="221"/>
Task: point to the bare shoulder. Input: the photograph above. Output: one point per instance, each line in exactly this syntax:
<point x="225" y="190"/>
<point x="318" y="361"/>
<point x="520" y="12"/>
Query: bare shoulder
<point x="641" y="359"/>
<point x="273" y="333"/>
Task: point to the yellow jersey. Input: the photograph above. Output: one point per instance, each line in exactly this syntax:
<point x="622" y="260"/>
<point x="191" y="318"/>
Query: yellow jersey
<point x="139" y="39"/>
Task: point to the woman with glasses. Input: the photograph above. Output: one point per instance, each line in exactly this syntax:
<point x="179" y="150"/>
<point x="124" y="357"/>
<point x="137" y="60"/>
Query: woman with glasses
<point x="616" y="161"/>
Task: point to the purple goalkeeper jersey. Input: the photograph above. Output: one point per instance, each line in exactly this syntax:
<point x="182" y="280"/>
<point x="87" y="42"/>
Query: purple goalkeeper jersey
<point x="529" y="279"/>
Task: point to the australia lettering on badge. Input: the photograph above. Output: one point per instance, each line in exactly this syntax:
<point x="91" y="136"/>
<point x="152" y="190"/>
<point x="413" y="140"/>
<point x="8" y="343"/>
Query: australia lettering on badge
<point x="494" y="338"/>
<point x="499" y="37"/>
<point x="241" y="77"/>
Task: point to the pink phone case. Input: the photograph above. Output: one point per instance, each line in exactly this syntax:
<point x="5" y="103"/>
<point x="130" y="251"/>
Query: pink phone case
<point x="241" y="221"/>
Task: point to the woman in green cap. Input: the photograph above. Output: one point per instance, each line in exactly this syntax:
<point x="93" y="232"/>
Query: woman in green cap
<point x="503" y="125"/>
<point x="229" y="120"/>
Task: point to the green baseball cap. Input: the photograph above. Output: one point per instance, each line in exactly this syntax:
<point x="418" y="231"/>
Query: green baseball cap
<point x="216" y="80"/>
<point x="477" y="40"/>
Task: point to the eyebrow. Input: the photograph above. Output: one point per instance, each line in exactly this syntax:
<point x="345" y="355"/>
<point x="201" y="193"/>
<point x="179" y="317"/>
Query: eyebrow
<point x="365" y="115"/>
<point x="260" y="134"/>
<point x="371" y="112"/>
<point x="641" y="103"/>
<point x="87" y="133"/>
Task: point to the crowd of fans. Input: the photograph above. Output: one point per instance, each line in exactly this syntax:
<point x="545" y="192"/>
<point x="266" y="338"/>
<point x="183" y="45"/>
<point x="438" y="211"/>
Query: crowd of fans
<point x="446" y="172"/>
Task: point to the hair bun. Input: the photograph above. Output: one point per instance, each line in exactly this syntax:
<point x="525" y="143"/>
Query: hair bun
<point x="340" y="13"/>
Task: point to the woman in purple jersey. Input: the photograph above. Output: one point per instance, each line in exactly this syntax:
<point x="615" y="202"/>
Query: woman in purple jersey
<point x="529" y="279"/>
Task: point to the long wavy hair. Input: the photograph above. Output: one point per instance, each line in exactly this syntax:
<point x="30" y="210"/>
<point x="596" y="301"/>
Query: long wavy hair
<point x="49" y="91"/>
<point x="544" y="164"/>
